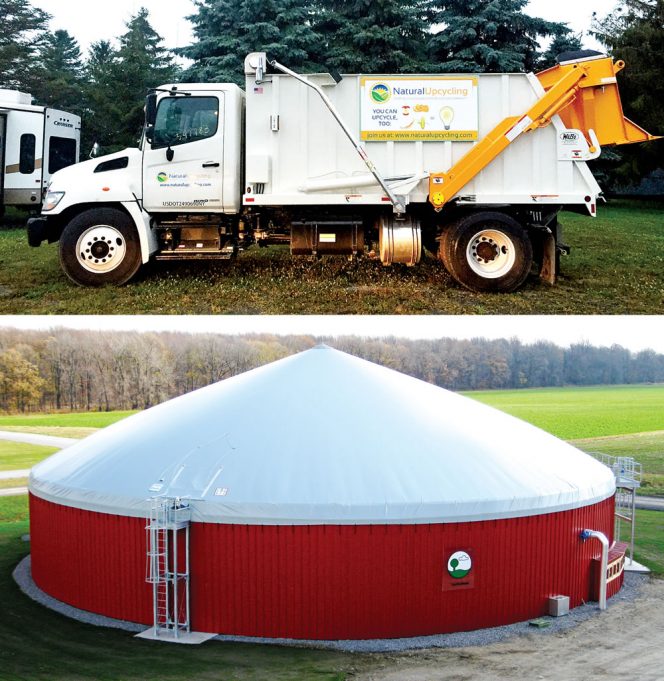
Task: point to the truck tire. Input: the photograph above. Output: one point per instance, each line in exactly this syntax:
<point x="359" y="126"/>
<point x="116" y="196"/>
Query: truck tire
<point x="100" y="246"/>
<point x="487" y="251"/>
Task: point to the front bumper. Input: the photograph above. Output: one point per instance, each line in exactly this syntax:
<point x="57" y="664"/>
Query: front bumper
<point x="37" y="231"/>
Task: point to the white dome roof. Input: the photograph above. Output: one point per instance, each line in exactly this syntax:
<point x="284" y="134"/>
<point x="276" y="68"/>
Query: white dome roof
<point x="324" y="437"/>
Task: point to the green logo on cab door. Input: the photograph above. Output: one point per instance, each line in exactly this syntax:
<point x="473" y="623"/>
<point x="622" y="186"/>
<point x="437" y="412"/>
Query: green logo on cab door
<point x="162" y="177"/>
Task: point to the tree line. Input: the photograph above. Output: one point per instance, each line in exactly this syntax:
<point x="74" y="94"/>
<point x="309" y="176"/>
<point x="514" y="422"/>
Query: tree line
<point x="67" y="370"/>
<point x="108" y="85"/>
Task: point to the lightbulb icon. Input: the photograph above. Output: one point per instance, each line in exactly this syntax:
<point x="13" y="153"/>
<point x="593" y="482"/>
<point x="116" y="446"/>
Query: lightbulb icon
<point x="447" y="116"/>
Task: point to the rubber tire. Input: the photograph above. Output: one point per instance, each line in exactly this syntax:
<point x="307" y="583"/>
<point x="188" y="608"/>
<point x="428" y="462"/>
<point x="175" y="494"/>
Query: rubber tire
<point x="454" y="242"/>
<point x="89" y="218"/>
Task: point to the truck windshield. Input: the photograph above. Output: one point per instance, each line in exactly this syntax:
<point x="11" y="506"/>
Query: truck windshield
<point x="185" y="119"/>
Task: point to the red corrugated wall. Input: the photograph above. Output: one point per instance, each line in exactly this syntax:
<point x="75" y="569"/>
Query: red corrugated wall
<point x="325" y="582"/>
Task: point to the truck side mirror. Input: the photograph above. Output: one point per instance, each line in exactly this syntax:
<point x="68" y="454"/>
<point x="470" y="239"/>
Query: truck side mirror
<point x="149" y="133"/>
<point x="94" y="152"/>
<point x="151" y="109"/>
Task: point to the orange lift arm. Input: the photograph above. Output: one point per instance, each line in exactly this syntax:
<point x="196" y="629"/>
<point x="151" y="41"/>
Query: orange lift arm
<point x="584" y="94"/>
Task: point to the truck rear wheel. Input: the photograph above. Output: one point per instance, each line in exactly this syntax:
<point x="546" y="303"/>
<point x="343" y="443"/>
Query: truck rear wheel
<point x="487" y="251"/>
<point x="100" y="246"/>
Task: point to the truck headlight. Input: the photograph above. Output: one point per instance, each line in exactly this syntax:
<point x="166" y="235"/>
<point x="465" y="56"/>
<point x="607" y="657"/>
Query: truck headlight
<point x="52" y="200"/>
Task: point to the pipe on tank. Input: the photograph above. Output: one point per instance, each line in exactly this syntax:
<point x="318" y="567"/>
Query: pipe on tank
<point x="595" y="534"/>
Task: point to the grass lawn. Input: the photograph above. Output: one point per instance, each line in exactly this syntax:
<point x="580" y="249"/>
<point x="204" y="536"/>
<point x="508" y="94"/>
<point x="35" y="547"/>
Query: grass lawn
<point x="616" y="267"/>
<point x="585" y="412"/>
<point x="15" y="456"/>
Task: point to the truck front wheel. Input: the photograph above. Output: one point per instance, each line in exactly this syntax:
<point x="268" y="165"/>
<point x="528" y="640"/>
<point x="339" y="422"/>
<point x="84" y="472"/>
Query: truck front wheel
<point x="100" y="246"/>
<point x="487" y="251"/>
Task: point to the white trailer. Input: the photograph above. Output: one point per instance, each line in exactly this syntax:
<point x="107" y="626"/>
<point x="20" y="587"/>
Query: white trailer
<point x="472" y="167"/>
<point x="35" y="142"/>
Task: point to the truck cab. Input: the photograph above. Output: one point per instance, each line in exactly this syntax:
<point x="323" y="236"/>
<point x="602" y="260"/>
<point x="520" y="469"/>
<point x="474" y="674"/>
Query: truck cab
<point x="178" y="195"/>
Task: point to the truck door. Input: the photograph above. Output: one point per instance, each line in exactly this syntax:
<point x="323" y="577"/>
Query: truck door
<point x="190" y="131"/>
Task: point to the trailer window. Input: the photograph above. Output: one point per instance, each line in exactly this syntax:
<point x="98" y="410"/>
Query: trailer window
<point x="185" y="119"/>
<point x="61" y="153"/>
<point x="26" y="159"/>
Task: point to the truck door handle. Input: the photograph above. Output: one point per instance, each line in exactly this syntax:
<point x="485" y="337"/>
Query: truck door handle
<point x="211" y="164"/>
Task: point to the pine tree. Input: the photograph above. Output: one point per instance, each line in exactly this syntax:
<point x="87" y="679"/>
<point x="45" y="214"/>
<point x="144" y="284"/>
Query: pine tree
<point x="486" y="36"/>
<point x="226" y="32"/>
<point x="634" y="32"/>
<point x="61" y="72"/>
<point x="142" y="63"/>
<point x="561" y="43"/>
<point x="373" y="36"/>
<point x="21" y="32"/>
<point x="103" y="110"/>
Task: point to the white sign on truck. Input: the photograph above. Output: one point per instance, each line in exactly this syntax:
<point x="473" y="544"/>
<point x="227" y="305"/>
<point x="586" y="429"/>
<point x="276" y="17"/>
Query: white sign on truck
<point x="473" y="168"/>
<point x="428" y="109"/>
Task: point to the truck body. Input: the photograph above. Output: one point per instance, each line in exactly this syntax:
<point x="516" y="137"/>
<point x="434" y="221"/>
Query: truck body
<point x="35" y="142"/>
<point x="471" y="167"/>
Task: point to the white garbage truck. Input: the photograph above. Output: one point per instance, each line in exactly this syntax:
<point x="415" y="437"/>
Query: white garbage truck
<point x="473" y="168"/>
<point x="35" y="142"/>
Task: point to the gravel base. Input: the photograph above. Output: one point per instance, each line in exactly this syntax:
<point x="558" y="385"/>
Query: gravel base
<point x="630" y="590"/>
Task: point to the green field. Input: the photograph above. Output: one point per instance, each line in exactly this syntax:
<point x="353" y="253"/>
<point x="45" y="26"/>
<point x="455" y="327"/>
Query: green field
<point x="585" y="412"/>
<point x="15" y="456"/>
<point x="616" y="267"/>
<point x="85" y="420"/>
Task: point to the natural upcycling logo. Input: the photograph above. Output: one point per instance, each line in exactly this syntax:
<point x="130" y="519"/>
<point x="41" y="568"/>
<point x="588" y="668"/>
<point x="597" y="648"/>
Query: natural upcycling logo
<point x="459" y="564"/>
<point x="162" y="177"/>
<point x="381" y="93"/>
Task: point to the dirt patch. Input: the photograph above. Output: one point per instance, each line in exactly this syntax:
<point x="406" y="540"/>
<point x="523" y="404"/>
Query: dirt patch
<point x="624" y="642"/>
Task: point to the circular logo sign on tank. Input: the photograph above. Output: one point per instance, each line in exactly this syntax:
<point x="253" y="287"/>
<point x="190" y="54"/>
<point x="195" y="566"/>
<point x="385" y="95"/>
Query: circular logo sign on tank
<point x="459" y="564"/>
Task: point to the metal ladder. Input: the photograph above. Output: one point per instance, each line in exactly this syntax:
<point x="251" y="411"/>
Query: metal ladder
<point x="627" y="473"/>
<point x="168" y="565"/>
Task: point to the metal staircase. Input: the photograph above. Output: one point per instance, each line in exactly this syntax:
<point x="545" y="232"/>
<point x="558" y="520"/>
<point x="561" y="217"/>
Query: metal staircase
<point x="627" y="473"/>
<point x="168" y="566"/>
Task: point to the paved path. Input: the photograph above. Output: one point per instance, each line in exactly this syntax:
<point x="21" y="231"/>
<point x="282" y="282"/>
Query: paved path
<point x="8" y="475"/>
<point x="13" y="491"/>
<point x="36" y="439"/>
<point x="650" y="503"/>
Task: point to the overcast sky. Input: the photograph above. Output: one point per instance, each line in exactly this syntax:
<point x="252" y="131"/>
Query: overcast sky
<point x="635" y="333"/>
<point x="90" y="21"/>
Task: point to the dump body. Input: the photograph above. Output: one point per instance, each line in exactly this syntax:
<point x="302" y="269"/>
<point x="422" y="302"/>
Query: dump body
<point x="35" y="142"/>
<point x="293" y="164"/>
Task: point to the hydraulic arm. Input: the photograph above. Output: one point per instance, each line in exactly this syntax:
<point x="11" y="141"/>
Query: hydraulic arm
<point x="585" y="95"/>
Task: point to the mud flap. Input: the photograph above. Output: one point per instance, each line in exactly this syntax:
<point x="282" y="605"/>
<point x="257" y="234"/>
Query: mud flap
<point x="549" y="269"/>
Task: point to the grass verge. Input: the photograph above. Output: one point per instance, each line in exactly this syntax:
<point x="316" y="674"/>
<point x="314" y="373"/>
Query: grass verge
<point x="84" y="420"/>
<point x="616" y="267"/>
<point x="8" y="483"/>
<point x="15" y="456"/>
